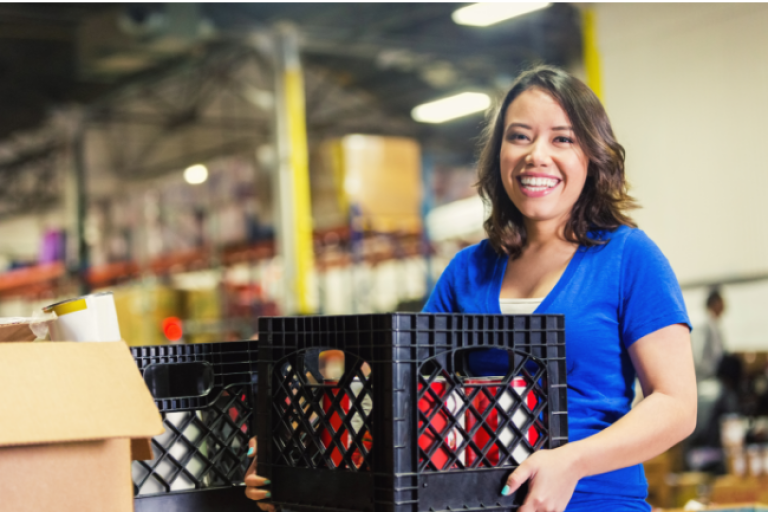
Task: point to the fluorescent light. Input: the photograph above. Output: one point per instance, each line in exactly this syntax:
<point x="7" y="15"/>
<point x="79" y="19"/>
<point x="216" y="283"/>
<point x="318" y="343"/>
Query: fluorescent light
<point x="445" y="109"/>
<point x="484" y="14"/>
<point x="196" y="174"/>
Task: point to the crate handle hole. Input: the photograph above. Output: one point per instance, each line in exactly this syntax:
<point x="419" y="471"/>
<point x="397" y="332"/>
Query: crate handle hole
<point x="330" y="365"/>
<point x="179" y="380"/>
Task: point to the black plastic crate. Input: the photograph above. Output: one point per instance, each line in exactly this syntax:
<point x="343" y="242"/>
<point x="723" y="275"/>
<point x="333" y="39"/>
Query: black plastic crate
<point x="410" y="431"/>
<point x="206" y="395"/>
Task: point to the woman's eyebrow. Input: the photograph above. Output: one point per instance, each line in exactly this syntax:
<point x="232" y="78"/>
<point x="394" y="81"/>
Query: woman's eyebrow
<point x="527" y="127"/>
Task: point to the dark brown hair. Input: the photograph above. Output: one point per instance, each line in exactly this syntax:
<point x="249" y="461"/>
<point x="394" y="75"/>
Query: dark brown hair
<point x="604" y="197"/>
<point x="714" y="297"/>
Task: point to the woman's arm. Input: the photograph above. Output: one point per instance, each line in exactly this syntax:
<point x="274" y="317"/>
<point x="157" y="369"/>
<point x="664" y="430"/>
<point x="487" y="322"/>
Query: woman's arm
<point x="664" y="365"/>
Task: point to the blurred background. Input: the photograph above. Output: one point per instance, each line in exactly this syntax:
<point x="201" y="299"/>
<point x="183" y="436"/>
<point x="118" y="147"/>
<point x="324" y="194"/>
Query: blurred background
<point x="214" y="163"/>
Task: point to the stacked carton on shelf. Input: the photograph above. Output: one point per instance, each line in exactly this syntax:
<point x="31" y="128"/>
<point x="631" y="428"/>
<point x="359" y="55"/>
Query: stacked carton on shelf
<point x="379" y="176"/>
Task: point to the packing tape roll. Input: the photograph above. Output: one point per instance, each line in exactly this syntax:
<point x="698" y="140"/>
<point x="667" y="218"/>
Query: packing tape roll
<point x="69" y="307"/>
<point x="88" y="318"/>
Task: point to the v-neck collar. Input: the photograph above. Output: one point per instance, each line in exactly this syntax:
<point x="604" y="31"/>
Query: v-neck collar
<point x="501" y="268"/>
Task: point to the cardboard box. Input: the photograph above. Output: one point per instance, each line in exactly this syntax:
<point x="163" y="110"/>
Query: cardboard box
<point x="16" y="332"/>
<point x="381" y="175"/>
<point x="141" y="310"/>
<point x="733" y="489"/>
<point x="20" y="329"/>
<point x="743" y="507"/>
<point x="72" y="414"/>
<point x="657" y="471"/>
<point x="688" y="486"/>
<point x="739" y="507"/>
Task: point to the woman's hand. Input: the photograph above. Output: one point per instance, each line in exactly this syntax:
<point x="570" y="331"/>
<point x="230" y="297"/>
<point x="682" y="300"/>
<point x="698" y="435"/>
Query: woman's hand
<point x="552" y="477"/>
<point x="663" y="418"/>
<point x="254" y="482"/>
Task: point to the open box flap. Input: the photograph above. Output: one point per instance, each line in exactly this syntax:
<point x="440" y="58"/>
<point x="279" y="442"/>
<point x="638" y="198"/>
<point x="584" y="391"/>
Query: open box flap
<point x="58" y="392"/>
<point x="141" y="449"/>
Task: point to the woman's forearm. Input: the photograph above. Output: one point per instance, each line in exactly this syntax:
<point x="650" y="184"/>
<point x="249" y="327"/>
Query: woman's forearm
<point x="666" y="415"/>
<point x="657" y="423"/>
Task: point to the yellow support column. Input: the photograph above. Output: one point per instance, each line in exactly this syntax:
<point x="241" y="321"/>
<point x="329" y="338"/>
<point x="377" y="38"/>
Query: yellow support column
<point x="294" y="230"/>
<point x="591" y="52"/>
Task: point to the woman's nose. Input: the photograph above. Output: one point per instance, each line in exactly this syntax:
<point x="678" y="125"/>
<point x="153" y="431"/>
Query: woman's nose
<point x="539" y="154"/>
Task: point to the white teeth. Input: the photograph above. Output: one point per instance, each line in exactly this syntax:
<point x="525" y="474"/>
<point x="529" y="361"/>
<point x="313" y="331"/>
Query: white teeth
<point x="536" y="182"/>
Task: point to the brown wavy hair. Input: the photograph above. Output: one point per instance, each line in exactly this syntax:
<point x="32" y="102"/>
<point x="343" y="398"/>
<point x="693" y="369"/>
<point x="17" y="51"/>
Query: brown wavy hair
<point x="604" y="198"/>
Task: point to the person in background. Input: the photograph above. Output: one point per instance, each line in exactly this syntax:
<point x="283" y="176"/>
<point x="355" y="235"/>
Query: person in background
<point x="730" y="376"/>
<point x="709" y="347"/>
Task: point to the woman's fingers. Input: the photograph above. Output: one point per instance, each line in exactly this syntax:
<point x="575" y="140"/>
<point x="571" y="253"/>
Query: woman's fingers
<point x="255" y="493"/>
<point x="517" y="479"/>
<point x="551" y="481"/>
<point x="254" y="480"/>
<point x="252" y="454"/>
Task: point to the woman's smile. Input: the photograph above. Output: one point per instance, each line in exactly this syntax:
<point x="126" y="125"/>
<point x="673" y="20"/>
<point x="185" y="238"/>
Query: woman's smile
<point x="537" y="185"/>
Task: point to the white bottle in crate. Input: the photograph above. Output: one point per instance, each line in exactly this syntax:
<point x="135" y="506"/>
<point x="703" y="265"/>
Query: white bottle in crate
<point x="366" y="405"/>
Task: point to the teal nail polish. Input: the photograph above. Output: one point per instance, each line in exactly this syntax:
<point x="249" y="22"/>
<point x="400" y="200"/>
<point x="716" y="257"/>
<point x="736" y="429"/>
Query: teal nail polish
<point x="267" y="482"/>
<point x="505" y="491"/>
<point x="269" y="494"/>
<point x="250" y="451"/>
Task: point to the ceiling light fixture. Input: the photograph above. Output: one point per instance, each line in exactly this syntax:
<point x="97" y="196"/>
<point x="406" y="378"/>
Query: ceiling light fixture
<point x="196" y="174"/>
<point x="485" y="14"/>
<point x="446" y="109"/>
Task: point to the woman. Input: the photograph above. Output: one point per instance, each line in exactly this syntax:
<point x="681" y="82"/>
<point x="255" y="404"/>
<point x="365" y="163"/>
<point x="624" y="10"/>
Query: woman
<point x="559" y="242"/>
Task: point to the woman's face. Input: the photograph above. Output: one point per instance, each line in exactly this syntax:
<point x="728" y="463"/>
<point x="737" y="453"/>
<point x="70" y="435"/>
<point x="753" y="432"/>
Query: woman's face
<point x="543" y="168"/>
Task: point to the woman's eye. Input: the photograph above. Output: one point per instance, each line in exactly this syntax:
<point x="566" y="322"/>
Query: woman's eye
<point x="517" y="136"/>
<point x="566" y="140"/>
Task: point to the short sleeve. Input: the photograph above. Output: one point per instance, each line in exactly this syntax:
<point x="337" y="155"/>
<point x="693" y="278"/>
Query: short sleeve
<point x="443" y="296"/>
<point x="650" y="298"/>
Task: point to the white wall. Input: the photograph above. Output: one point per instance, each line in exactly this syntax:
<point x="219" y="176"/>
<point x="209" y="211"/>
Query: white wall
<point x="686" y="88"/>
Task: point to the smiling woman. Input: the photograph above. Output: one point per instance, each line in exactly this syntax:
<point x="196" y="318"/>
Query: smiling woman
<point x="559" y="242"/>
<point x="555" y="111"/>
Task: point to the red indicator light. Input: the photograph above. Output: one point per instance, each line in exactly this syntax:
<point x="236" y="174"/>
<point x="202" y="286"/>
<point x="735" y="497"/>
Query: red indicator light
<point x="172" y="328"/>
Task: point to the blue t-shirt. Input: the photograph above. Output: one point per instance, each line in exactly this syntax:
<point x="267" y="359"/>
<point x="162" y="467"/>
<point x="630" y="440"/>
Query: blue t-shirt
<point x="611" y="295"/>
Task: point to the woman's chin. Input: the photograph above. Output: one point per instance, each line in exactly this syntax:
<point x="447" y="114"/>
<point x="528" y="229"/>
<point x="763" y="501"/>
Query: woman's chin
<point x="540" y="214"/>
<point x="531" y="210"/>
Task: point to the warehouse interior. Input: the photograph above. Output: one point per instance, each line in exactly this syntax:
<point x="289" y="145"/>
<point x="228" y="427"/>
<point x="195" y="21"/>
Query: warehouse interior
<point x="211" y="164"/>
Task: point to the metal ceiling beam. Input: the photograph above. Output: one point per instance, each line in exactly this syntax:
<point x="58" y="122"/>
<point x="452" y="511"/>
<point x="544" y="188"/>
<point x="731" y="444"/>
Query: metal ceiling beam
<point x="238" y="146"/>
<point x="171" y="122"/>
<point x="372" y="48"/>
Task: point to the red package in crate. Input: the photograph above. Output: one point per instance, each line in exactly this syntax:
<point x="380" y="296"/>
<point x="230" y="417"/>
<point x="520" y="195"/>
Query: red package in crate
<point x="441" y="407"/>
<point x="498" y="401"/>
<point x="356" y="422"/>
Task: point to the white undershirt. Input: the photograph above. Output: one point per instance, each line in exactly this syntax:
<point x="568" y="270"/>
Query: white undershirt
<point x="519" y="306"/>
